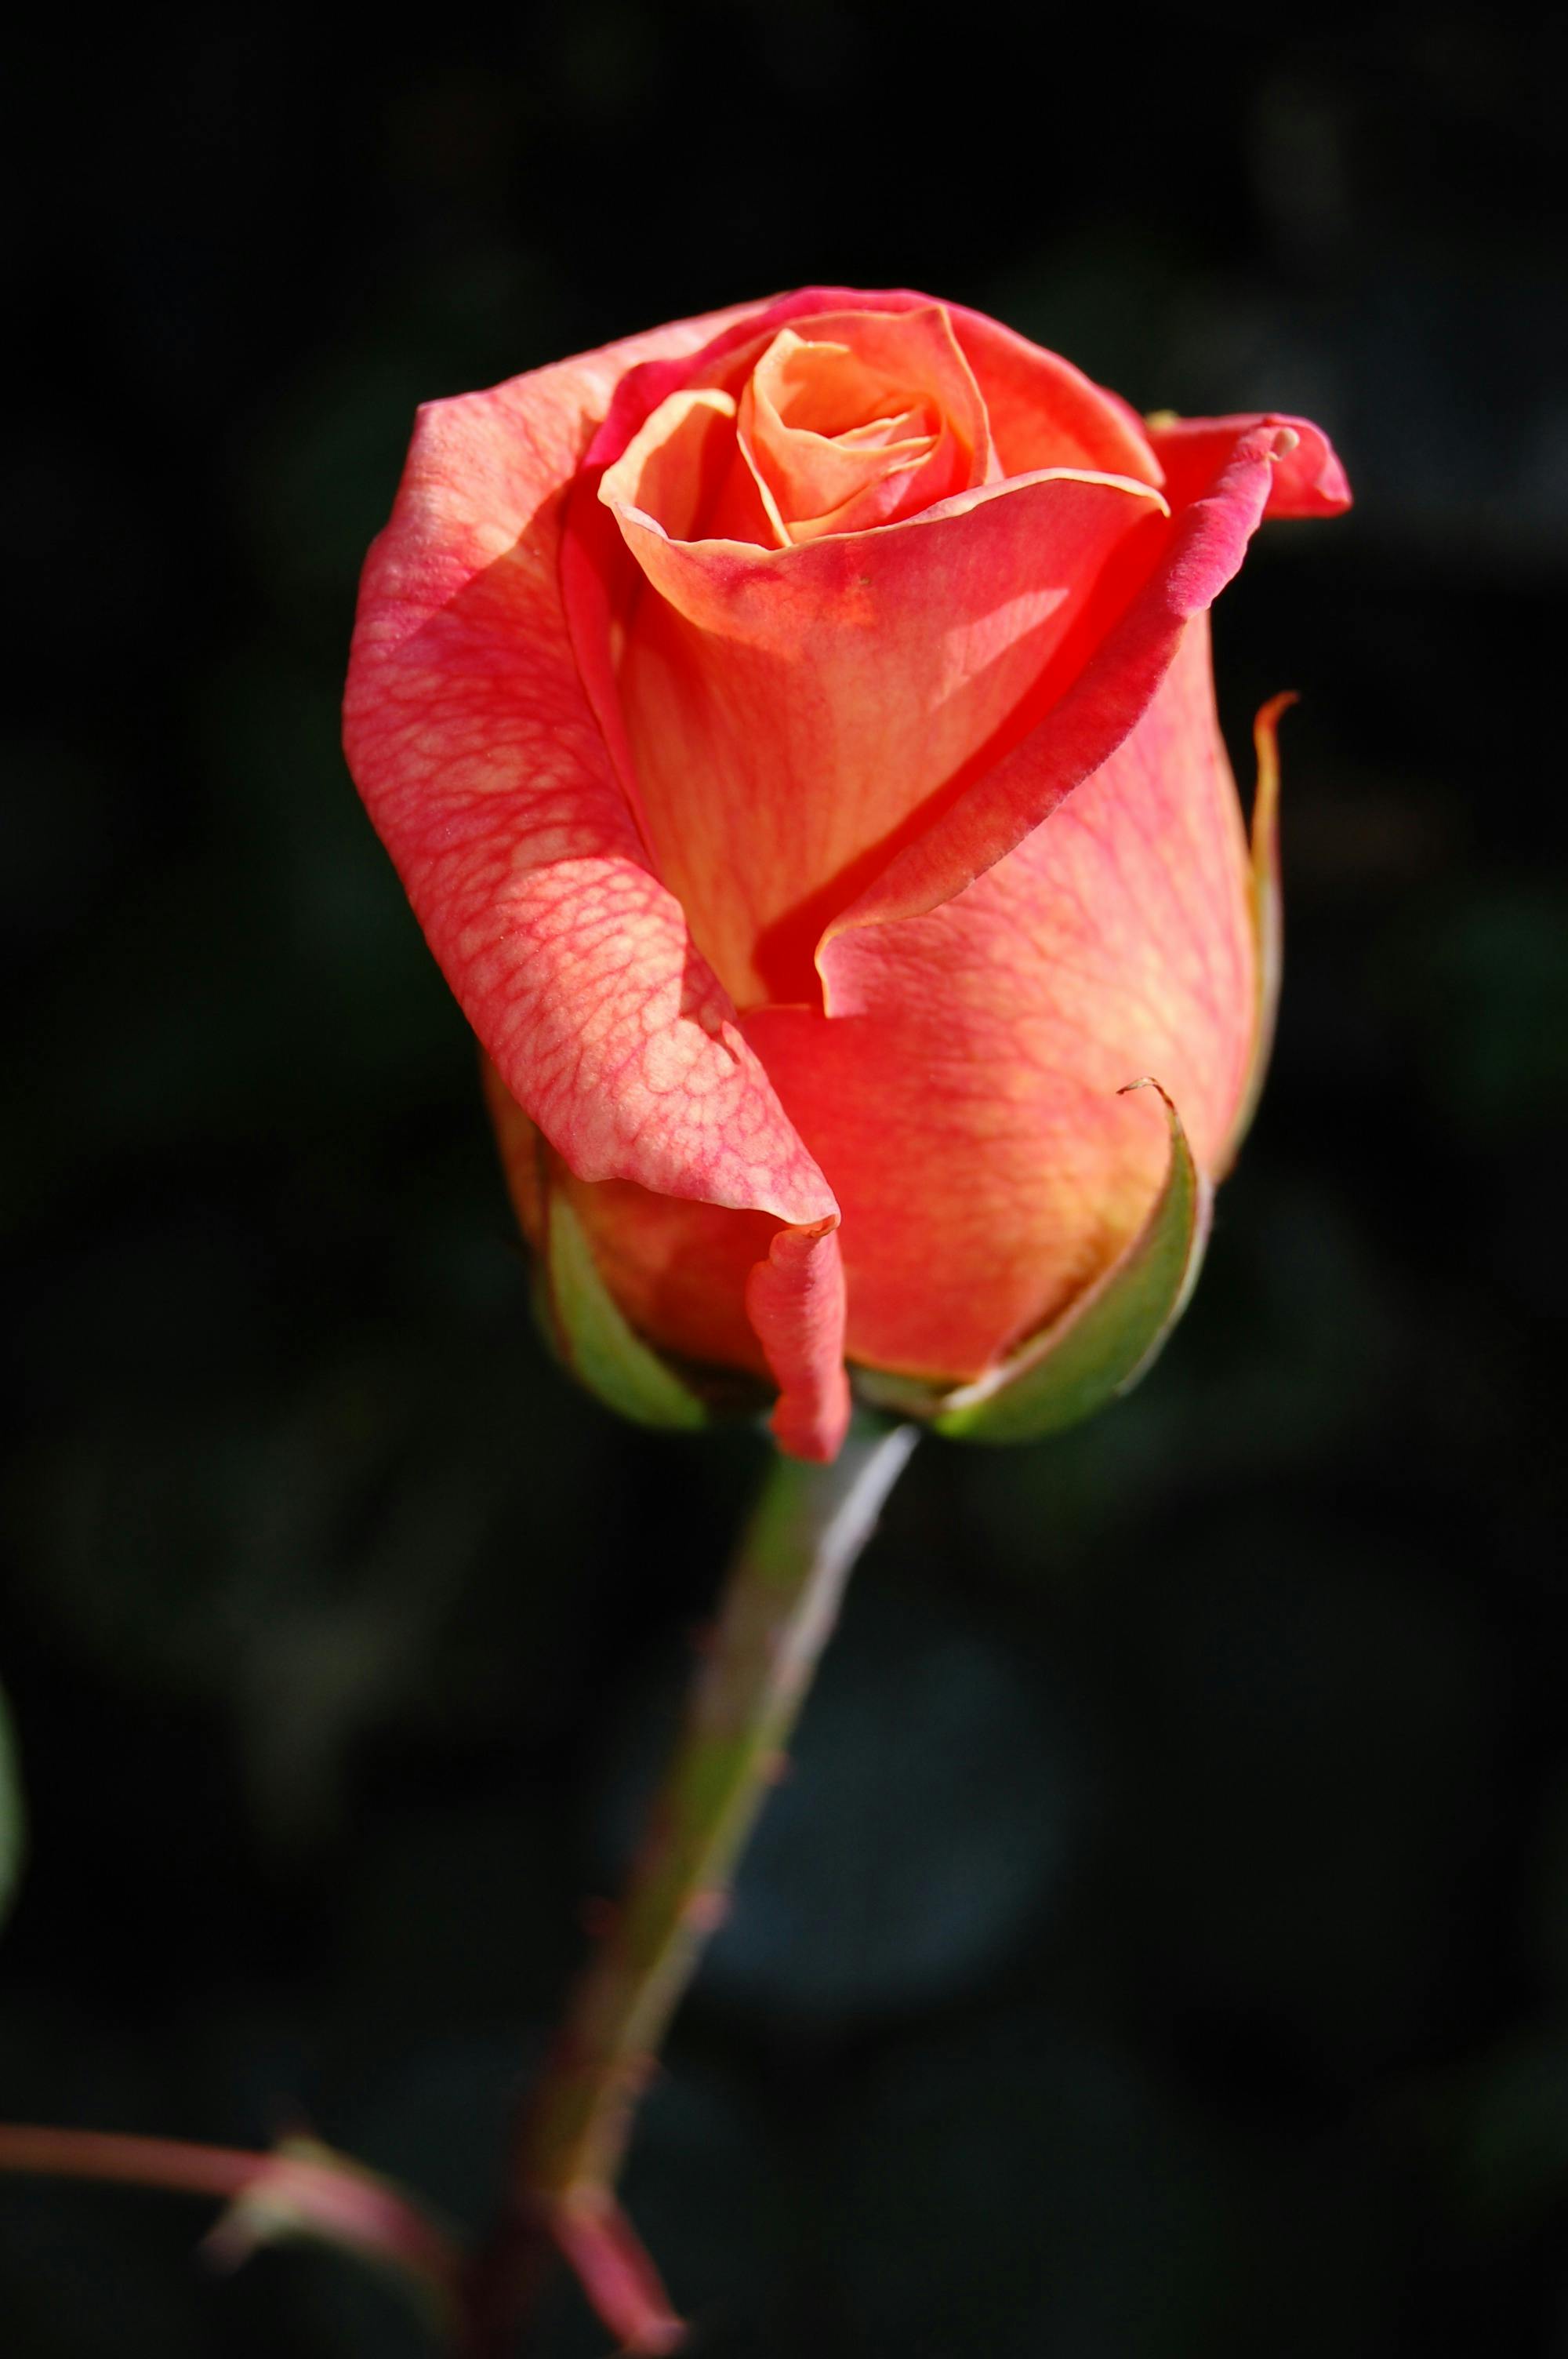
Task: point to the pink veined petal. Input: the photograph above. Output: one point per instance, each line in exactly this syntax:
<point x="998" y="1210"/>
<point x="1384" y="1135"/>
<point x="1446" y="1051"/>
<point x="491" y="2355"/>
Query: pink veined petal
<point x="979" y="823"/>
<point x="488" y="779"/>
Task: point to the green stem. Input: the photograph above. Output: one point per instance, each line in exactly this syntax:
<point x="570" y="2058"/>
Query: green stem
<point x="779" y="1606"/>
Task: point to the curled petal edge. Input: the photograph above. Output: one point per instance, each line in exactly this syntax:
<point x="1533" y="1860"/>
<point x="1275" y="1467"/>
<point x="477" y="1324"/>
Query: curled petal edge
<point x="1102" y="1345"/>
<point x="1309" y="480"/>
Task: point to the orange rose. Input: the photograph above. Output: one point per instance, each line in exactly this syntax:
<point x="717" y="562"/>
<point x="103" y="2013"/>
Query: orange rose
<point x="796" y="733"/>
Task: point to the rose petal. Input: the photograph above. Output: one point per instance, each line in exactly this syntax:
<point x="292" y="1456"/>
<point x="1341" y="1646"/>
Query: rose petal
<point x="796" y="1300"/>
<point x="479" y="759"/>
<point x="675" y="469"/>
<point x="1113" y="942"/>
<point x="975" y="824"/>
<point x="1308" y="480"/>
<point x="788" y="712"/>
<point x="1045" y="413"/>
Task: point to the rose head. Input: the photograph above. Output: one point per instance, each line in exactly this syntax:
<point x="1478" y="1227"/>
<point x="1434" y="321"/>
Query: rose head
<point x="795" y="732"/>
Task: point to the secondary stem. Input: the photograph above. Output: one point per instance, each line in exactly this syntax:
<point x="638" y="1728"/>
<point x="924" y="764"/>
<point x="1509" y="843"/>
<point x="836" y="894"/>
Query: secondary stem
<point x="778" y="1608"/>
<point x="301" y="2185"/>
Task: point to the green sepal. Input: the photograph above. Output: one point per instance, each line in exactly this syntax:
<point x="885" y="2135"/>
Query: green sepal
<point x="1267" y="910"/>
<point x="1102" y="1343"/>
<point x="593" y="1336"/>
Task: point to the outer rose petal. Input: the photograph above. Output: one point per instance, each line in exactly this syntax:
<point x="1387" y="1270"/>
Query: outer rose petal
<point x="968" y="1113"/>
<point x="471" y="740"/>
<point x="1308" y="478"/>
<point x="976" y="824"/>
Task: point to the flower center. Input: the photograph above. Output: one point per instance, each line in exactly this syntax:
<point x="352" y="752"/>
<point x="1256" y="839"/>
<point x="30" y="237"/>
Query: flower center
<point x="844" y="422"/>
<point x="833" y="438"/>
<point x="841" y="435"/>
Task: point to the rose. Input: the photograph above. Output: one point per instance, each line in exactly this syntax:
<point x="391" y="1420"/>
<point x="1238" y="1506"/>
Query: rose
<point x="796" y="733"/>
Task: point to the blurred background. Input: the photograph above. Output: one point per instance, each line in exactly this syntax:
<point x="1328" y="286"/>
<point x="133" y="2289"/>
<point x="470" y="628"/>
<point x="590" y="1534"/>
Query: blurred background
<point x="1163" y="1948"/>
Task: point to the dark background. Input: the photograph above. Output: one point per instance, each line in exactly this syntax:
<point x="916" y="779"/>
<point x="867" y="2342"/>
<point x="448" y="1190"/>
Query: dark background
<point x="1163" y="1948"/>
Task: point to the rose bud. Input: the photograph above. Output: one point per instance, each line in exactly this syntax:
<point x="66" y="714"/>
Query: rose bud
<point x="795" y="732"/>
